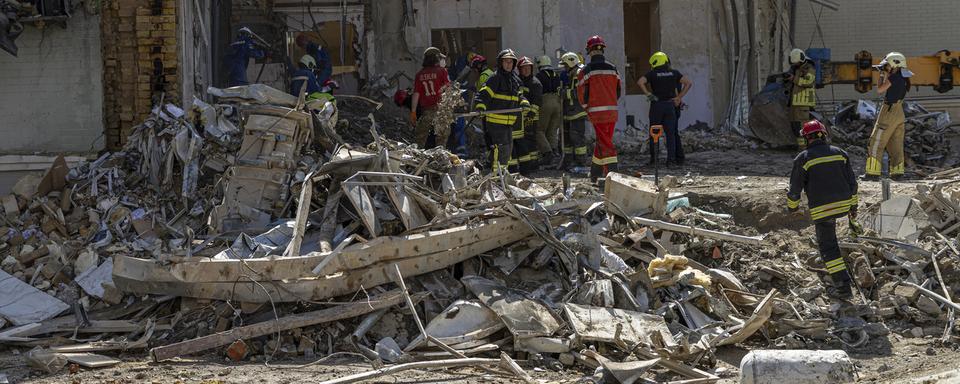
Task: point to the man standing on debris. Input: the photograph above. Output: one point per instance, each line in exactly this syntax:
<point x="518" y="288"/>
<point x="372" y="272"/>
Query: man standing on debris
<point x="803" y="96"/>
<point x="242" y="50"/>
<point x="665" y="87"/>
<point x="598" y="91"/>
<point x="888" y="131"/>
<point x="551" y="114"/>
<point x="525" y="147"/>
<point x="304" y="76"/>
<point x="428" y="85"/>
<point x="574" y="117"/>
<point x="825" y="173"/>
<point x="501" y="91"/>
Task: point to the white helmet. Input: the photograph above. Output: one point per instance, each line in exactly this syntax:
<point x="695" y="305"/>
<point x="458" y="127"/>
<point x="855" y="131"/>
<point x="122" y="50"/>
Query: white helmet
<point x="570" y="60"/>
<point x="544" y="61"/>
<point x="308" y="61"/>
<point x="895" y="59"/>
<point x="797" y="56"/>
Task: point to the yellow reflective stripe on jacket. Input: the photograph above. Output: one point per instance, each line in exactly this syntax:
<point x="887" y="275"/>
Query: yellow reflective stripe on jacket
<point x="580" y="115"/>
<point x="833" y="205"/>
<point x="499" y="96"/>
<point x="821" y="160"/>
<point x="836" y="211"/>
<point x="793" y="204"/>
<point x="497" y="118"/>
<point x="480" y="106"/>
<point x="580" y="150"/>
<point x="517" y="133"/>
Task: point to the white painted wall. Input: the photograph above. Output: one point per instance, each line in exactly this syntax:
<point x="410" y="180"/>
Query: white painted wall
<point x="51" y="95"/>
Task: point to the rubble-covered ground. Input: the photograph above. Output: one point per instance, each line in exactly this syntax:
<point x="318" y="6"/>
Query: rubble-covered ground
<point x="892" y="332"/>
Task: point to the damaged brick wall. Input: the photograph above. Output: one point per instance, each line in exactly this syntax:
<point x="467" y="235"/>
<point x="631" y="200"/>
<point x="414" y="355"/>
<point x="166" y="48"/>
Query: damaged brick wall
<point x="141" y="62"/>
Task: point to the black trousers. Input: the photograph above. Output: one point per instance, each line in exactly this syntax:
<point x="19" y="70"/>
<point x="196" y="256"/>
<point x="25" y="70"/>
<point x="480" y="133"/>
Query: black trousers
<point x="830" y="253"/>
<point x="667" y="114"/>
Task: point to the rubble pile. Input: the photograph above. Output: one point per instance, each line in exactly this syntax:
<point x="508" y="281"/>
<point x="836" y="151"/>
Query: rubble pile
<point x="926" y="139"/>
<point x="251" y="228"/>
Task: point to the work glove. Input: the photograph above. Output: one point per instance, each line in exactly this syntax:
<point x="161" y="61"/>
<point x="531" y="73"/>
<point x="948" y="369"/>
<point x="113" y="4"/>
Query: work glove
<point x="413" y="117"/>
<point x="853" y="212"/>
<point x="652" y="98"/>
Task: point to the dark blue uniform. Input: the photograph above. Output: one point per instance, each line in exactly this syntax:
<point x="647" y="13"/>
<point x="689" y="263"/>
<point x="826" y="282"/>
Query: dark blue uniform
<point x="665" y="84"/>
<point x="243" y="50"/>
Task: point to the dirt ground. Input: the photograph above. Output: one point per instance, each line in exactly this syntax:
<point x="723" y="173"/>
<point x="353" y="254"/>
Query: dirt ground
<point x="748" y="184"/>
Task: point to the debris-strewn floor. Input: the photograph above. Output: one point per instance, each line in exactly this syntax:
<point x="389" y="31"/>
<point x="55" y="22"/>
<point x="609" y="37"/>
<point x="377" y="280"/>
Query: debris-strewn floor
<point x="241" y="241"/>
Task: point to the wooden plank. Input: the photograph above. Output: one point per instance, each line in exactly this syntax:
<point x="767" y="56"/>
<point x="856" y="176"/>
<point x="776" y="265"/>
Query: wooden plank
<point x="303" y="210"/>
<point x="145" y="276"/>
<point x="691" y="230"/>
<point x="203" y="270"/>
<point x="299" y="320"/>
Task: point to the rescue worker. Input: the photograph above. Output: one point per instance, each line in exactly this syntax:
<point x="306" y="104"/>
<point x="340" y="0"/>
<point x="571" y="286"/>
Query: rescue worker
<point x="304" y="77"/>
<point x="665" y="87"/>
<point x="241" y="52"/>
<point x="551" y="113"/>
<point x="887" y="135"/>
<point x="825" y="173"/>
<point x="525" y="148"/>
<point x="501" y="91"/>
<point x="428" y="85"/>
<point x="800" y="80"/>
<point x="479" y="64"/>
<point x="574" y="117"/>
<point x="324" y="65"/>
<point x="598" y="91"/>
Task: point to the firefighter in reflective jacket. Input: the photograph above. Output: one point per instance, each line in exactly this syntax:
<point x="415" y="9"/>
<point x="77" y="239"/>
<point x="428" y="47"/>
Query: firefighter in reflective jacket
<point x="598" y="91"/>
<point x="574" y="117"/>
<point x="525" y="147"/>
<point x="551" y="114"/>
<point x="803" y="95"/>
<point x="824" y="172"/>
<point x="501" y="91"/>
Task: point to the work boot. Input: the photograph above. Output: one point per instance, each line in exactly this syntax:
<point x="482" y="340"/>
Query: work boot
<point x="870" y="177"/>
<point x="896" y="177"/>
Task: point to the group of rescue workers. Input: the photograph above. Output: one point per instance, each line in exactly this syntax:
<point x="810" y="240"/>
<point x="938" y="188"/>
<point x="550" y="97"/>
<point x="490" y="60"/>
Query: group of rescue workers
<point x="533" y="116"/>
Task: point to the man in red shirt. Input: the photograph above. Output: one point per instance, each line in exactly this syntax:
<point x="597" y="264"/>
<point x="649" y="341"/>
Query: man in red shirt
<point x="427" y="88"/>
<point x="598" y="90"/>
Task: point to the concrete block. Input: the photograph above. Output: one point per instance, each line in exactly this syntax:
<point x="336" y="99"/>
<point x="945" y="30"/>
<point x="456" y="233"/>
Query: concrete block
<point x="907" y="292"/>
<point x="796" y="367"/>
<point x="634" y="196"/>
<point x="928" y="306"/>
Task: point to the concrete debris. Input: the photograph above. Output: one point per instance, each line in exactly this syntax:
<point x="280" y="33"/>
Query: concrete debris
<point x="797" y="366"/>
<point x="927" y="141"/>
<point x="265" y="229"/>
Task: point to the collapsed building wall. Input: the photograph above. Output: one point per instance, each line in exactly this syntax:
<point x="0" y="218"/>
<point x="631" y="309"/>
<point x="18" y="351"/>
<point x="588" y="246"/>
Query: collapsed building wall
<point x="51" y="93"/>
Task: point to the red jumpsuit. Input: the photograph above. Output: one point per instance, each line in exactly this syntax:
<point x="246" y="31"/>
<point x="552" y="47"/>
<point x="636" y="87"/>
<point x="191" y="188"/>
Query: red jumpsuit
<point x="598" y="91"/>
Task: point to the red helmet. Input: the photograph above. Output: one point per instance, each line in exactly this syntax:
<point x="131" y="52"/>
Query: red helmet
<point x="525" y="61"/>
<point x="478" y="62"/>
<point x="595" y="41"/>
<point x="813" y="127"/>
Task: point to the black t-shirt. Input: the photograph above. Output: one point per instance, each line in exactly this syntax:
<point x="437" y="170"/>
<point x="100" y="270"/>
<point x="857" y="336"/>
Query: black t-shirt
<point x="898" y="88"/>
<point x="664" y="83"/>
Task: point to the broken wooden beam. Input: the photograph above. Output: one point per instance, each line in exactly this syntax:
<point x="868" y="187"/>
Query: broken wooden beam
<point x="691" y="230"/>
<point x="394" y="369"/>
<point x="299" y="320"/>
<point x="300" y="223"/>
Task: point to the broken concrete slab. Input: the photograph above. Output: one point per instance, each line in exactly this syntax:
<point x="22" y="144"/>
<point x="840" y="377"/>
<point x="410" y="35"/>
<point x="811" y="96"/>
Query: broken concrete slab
<point x="23" y="304"/>
<point x="797" y="366"/>
<point x="600" y="324"/>
<point x="634" y="196"/>
<point x="91" y="360"/>
<point x="523" y="316"/>
<point x="92" y="279"/>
